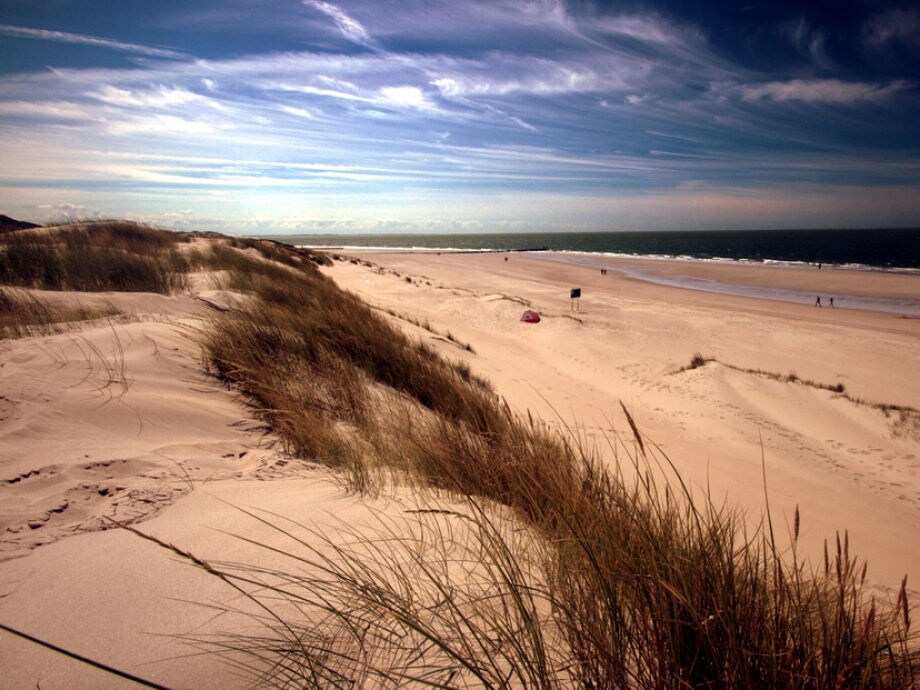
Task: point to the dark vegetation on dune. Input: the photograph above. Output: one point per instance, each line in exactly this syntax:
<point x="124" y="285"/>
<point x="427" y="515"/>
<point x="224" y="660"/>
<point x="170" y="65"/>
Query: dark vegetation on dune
<point x="92" y="257"/>
<point x="23" y="314"/>
<point x="605" y="578"/>
<point x="118" y="256"/>
<point x="99" y="256"/>
<point x="8" y="224"/>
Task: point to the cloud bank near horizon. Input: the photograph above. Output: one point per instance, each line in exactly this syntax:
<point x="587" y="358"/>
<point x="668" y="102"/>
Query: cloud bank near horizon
<point x="305" y="115"/>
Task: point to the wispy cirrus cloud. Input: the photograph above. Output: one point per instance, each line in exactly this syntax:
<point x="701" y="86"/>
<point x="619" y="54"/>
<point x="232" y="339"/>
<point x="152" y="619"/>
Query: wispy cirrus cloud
<point x="164" y="125"/>
<point x="467" y="107"/>
<point x="160" y="97"/>
<point x="399" y="97"/>
<point x="511" y="75"/>
<point x="807" y="40"/>
<point x="81" y="39"/>
<point x="350" y="28"/>
<point x="893" y="26"/>
<point x="821" y="91"/>
<point x="647" y="28"/>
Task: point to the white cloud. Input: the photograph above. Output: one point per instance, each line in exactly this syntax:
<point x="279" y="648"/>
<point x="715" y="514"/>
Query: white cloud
<point x="298" y="112"/>
<point x="649" y="28"/>
<point x="820" y="91"/>
<point x="159" y="125"/>
<point x="54" y="110"/>
<point x="336" y="84"/>
<point x="405" y="97"/>
<point x="449" y="88"/>
<point x="506" y="75"/>
<point x="81" y="39"/>
<point x="316" y="91"/>
<point x="116" y="96"/>
<point x="350" y="28"/>
<point x="161" y="97"/>
<point x="67" y="212"/>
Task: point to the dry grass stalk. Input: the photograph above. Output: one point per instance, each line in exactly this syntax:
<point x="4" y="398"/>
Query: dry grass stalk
<point x="94" y="257"/>
<point x="23" y="314"/>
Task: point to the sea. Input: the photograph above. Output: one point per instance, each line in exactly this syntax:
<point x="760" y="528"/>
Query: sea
<point x="894" y="250"/>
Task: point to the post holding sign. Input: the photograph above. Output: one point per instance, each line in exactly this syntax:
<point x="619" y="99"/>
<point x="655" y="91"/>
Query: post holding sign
<point x="575" y="295"/>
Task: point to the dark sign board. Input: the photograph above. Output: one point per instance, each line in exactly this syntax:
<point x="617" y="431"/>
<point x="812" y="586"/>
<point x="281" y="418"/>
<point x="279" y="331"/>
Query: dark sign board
<point x="576" y="292"/>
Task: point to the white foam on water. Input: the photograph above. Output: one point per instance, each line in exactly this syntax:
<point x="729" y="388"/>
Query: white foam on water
<point x="904" y="307"/>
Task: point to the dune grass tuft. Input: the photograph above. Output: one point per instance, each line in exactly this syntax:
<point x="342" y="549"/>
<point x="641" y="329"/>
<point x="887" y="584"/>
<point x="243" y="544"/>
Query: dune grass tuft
<point x="23" y="314"/>
<point x="308" y="348"/>
<point x="94" y="257"/>
<point x="636" y="588"/>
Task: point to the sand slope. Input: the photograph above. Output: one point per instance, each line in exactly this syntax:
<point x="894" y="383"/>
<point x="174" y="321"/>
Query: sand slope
<point x="110" y="420"/>
<point x="119" y="420"/>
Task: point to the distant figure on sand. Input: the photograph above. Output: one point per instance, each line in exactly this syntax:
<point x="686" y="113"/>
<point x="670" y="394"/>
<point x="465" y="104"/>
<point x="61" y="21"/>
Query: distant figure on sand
<point x="818" y="301"/>
<point x="832" y="302"/>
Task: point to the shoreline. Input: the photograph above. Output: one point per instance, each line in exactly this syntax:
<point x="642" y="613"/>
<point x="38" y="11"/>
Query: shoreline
<point x="899" y="296"/>
<point x="370" y="249"/>
<point x="891" y="248"/>
<point x="783" y="282"/>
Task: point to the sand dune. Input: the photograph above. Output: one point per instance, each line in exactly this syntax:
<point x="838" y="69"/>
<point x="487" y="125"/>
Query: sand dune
<point x="118" y="419"/>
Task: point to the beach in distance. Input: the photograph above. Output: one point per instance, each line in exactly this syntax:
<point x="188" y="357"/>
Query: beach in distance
<point x="804" y="399"/>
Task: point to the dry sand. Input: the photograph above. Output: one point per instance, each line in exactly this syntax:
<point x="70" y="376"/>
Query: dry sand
<point x="847" y="466"/>
<point x="118" y="419"/>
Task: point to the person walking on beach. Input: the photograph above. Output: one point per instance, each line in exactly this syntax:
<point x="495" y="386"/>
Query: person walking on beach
<point x="818" y="301"/>
<point x="832" y="302"/>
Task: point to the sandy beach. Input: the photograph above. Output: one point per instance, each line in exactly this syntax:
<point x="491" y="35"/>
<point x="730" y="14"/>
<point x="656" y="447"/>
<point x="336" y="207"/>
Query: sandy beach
<point x="119" y="419"/>
<point x="847" y="466"/>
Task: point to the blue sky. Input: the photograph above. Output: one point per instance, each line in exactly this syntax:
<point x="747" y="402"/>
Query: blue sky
<point x="461" y="116"/>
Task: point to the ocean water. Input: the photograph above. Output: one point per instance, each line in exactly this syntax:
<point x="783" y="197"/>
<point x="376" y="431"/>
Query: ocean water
<point x="886" y="249"/>
<point x="889" y="250"/>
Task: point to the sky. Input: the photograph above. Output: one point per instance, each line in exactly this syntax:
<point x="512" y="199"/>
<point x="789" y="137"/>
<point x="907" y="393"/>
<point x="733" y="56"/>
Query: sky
<point x="421" y="116"/>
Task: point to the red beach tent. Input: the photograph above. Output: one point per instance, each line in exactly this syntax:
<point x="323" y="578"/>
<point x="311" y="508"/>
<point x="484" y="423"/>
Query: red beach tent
<point x="530" y="316"/>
